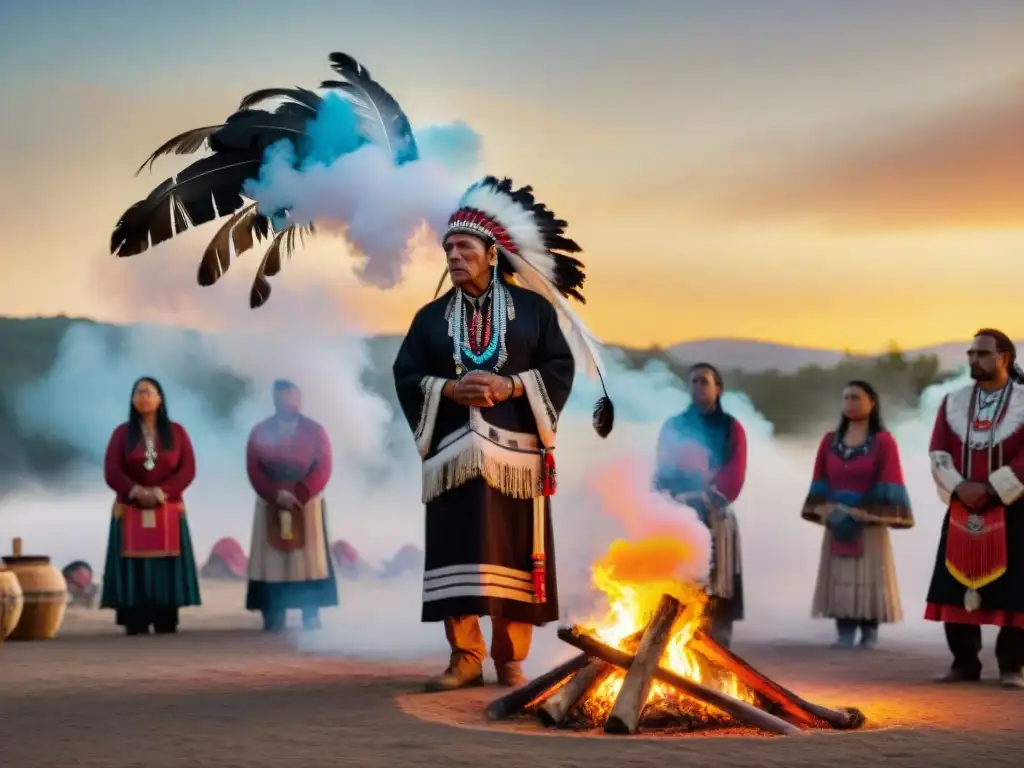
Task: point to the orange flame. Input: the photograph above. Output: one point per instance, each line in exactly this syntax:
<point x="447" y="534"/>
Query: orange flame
<point x="634" y="575"/>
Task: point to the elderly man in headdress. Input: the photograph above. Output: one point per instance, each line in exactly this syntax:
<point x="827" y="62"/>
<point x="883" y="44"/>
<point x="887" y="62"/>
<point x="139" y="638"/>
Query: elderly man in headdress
<point x="977" y="457"/>
<point x="482" y="377"/>
<point x="288" y="458"/>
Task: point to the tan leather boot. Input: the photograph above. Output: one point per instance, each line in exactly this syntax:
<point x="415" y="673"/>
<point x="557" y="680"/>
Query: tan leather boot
<point x="454" y="678"/>
<point x="510" y="674"/>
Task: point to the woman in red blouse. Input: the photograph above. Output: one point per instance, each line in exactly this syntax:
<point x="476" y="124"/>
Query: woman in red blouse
<point x="857" y="494"/>
<point x="150" y="567"/>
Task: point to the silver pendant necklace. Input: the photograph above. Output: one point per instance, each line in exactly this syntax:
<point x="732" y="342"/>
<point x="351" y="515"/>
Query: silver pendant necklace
<point x="150" y="447"/>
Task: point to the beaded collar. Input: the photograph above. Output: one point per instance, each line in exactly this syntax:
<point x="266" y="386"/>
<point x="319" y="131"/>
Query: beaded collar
<point x="845" y="452"/>
<point x="482" y="346"/>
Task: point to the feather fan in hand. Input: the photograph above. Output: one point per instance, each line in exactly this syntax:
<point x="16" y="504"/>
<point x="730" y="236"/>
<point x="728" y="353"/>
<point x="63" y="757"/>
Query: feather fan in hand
<point x="213" y="186"/>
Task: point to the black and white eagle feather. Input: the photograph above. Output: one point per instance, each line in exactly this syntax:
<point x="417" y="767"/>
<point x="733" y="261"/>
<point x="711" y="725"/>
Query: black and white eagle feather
<point x="212" y="186"/>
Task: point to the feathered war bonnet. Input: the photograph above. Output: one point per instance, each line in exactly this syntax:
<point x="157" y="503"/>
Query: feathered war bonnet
<point x="532" y="245"/>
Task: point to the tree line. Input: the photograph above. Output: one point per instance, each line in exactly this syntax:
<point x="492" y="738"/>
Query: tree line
<point x="799" y="403"/>
<point x="796" y="403"/>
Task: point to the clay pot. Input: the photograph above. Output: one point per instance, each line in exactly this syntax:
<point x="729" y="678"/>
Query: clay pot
<point x="45" y="594"/>
<point x="12" y="600"/>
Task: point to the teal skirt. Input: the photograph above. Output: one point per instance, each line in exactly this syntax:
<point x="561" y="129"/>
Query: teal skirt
<point x="151" y="582"/>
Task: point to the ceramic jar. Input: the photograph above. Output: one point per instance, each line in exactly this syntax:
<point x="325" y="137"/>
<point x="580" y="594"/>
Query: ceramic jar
<point x="12" y="602"/>
<point x="44" y="594"/>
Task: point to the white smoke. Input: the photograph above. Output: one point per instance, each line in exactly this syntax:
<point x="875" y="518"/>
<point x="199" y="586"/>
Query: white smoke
<point x="382" y="206"/>
<point x="374" y="496"/>
<point x="342" y="184"/>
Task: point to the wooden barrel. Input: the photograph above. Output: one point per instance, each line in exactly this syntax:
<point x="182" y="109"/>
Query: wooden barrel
<point x="12" y="601"/>
<point x="44" y="592"/>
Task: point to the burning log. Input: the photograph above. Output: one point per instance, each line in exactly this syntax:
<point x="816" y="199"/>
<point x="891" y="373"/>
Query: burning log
<point x="734" y="708"/>
<point x="555" y="708"/>
<point x="799" y="710"/>
<point x="588" y="691"/>
<point x="629" y="704"/>
<point x="517" y="700"/>
<point x="521" y="698"/>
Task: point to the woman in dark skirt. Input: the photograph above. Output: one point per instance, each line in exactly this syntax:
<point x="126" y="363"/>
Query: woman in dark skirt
<point x="150" y="567"/>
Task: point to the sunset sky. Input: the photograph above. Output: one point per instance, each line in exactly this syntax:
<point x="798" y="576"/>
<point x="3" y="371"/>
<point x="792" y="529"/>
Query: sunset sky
<point x="815" y="172"/>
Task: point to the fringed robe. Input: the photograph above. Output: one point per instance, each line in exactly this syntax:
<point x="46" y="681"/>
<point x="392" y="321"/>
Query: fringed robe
<point x="482" y="466"/>
<point x="300" y="462"/>
<point x="858" y="494"/>
<point x="982" y="450"/>
<point x="702" y="462"/>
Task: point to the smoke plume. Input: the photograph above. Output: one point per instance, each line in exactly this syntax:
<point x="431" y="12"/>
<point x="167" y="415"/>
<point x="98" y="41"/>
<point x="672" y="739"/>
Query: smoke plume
<point x="345" y="184"/>
<point x="373" y="497"/>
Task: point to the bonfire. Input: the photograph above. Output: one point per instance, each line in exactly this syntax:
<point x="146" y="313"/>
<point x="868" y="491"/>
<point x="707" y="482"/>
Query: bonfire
<point x="649" y="663"/>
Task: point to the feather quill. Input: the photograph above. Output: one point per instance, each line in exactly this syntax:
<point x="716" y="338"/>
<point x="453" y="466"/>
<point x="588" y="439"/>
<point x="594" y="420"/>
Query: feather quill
<point x="380" y="116"/>
<point x="300" y="96"/>
<point x="283" y="244"/>
<point x="186" y="143"/>
<point x="205" y="190"/>
<point x="253" y="130"/>
<point x="239" y="233"/>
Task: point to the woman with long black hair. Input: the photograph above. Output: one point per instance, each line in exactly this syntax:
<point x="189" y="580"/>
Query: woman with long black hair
<point x="858" y="493"/>
<point x="150" y="567"/>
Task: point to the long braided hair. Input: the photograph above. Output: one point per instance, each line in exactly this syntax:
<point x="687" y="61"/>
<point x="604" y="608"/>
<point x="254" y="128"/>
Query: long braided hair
<point x="1005" y="346"/>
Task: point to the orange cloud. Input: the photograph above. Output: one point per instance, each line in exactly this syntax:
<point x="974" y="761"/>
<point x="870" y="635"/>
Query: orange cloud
<point x="957" y="168"/>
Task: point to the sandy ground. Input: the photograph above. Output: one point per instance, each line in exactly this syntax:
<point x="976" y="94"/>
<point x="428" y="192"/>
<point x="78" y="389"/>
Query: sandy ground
<point x="220" y="693"/>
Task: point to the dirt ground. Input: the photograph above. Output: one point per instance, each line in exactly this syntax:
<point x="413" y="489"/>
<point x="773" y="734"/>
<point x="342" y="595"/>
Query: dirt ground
<point x="220" y="693"/>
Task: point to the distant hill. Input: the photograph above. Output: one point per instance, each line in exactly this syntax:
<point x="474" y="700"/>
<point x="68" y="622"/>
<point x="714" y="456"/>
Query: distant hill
<point x="795" y="388"/>
<point x="753" y="356"/>
<point x="759" y="356"/>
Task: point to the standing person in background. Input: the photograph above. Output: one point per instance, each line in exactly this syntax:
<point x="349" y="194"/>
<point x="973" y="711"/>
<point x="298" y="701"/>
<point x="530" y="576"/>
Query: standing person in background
<point x="150" y="568"/>
<point x="977" y="456"/>
<point x="702" y="462"/>
<point x="288" y="458"/>
<point x="857" y="493"/>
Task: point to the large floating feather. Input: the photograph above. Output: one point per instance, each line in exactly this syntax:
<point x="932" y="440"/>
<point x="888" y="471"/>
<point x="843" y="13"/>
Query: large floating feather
<point x="212" y="187"/>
